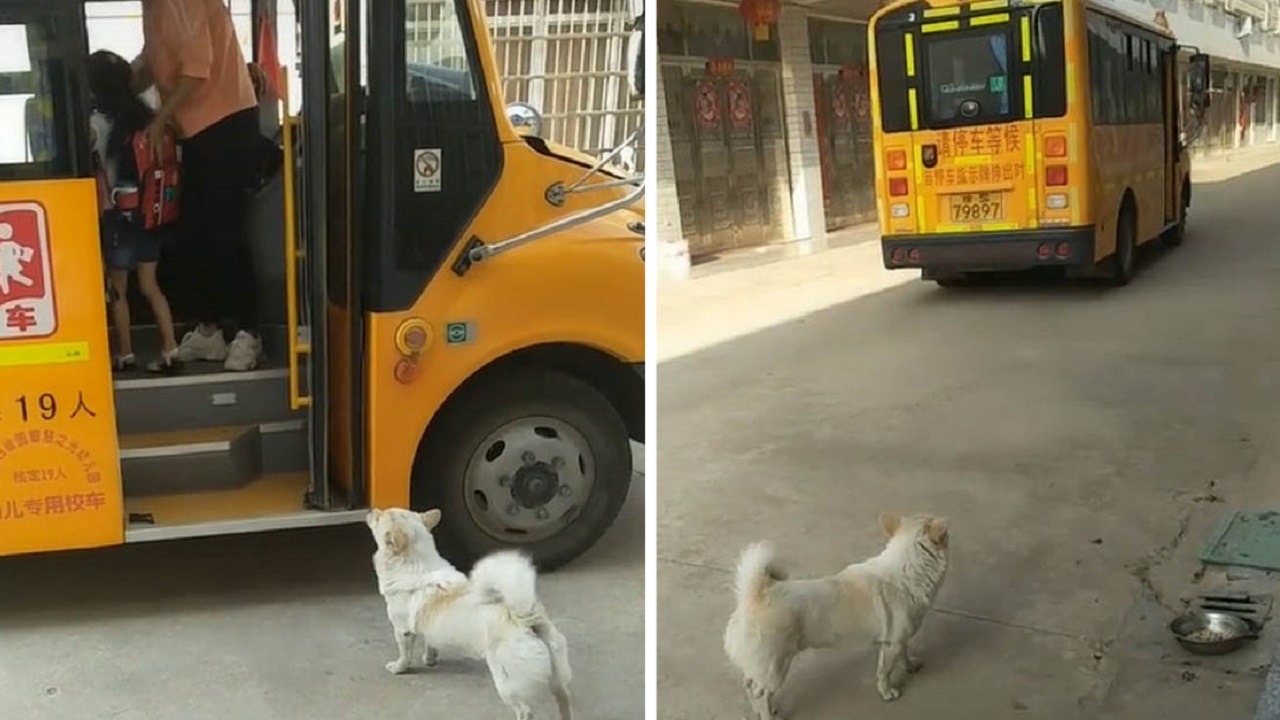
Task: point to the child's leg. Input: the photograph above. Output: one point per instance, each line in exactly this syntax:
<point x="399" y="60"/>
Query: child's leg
<point x="120" y="312"/>
<point x="159" y="306"/>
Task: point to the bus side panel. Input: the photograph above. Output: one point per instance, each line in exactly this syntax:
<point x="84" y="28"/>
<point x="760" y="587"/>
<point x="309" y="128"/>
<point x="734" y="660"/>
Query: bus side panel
<point x="582" y="286"/>
<point x="59" y="458"/>
<point x="1075" y="127"/>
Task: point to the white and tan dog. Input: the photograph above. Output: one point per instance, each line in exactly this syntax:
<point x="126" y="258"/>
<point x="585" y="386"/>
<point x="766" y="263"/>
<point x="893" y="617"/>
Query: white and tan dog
<point x="494" y="615"/>
<point x="883" y="599"/>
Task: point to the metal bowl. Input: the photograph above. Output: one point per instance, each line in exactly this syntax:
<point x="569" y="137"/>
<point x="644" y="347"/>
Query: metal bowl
<point x="1206" y="632"/>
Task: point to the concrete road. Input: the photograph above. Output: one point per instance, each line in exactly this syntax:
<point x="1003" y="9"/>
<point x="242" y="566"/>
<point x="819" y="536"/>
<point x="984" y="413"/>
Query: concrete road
<point x="1082" y="440"/>
<point x="283" y="626"/>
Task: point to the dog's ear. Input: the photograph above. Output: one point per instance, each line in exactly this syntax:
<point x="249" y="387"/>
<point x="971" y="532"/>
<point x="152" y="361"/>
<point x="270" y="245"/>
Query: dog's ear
<point x="936" y="529"/>
<point x="431" y="518"/>
<point x="890" y="522"/>
<point x="371" y="517"/>
<point x="397" y="540"/>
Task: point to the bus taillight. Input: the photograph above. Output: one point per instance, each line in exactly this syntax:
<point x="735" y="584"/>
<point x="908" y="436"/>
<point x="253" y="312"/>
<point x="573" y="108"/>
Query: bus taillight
<point x="1055" y="146"/>
<point x="896" y="160"/>
<point x="897" y="186"/>
<point x="1055" y="175"/>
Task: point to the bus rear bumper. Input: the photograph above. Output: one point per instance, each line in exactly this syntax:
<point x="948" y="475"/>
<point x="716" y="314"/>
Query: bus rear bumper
<point x="990" y="251"/>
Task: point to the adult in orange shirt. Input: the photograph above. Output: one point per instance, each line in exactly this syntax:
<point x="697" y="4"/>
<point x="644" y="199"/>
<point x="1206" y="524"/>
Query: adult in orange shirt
<point x="191" y="55"/>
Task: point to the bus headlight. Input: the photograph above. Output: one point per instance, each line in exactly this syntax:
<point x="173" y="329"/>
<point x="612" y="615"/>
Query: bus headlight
<point x="899" y="210"/>
<point x="1056" y="201"/>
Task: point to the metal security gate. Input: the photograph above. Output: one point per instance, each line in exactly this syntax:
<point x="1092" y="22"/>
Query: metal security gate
<point x="727" y="138"/>
<point x="568" y="59"/>
<point x="842" y="106"/>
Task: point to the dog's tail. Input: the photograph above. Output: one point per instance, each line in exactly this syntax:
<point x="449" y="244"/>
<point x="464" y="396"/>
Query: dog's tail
<point x="508" y="578"/>
<point x="757" y="572"/>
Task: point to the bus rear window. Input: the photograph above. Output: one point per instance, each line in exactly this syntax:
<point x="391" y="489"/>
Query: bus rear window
<point x="973" y="75"/>
<point x="967" y="78"/>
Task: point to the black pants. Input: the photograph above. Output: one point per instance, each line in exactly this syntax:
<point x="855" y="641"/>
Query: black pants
<point x="218" y="166"/>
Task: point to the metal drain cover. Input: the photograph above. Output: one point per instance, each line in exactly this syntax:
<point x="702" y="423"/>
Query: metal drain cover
<point x="1254" y="608"/>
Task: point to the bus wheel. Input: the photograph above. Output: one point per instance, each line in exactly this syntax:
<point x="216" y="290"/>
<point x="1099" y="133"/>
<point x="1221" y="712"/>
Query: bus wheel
<point x="1123" y="260"/>
<point x="528" y="459"/>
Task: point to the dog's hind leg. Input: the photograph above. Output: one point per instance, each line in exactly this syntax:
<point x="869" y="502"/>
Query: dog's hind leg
<point x="761" y="699"/>
<point x="914" y="664"/>
<point x="763" y="694"/>
<point x="563" y="701"/>
<point x="431" y="657"/>
<point x="891" y="653"/>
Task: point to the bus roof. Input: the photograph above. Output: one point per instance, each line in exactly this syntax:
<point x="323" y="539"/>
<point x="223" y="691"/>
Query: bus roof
<point x="1106" y="7"/>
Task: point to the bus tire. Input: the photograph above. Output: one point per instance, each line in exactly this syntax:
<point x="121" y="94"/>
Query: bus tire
<point x="958" y="280"/>
<point x="1178" y="232"/>
<point x="1125" y="257"/>
<point x="510" y="450"/>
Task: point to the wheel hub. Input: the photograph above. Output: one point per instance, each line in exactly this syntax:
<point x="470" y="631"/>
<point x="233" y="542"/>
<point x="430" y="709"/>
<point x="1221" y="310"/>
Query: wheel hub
<point x="534" y="485"/>
<point x="529" y="479"/>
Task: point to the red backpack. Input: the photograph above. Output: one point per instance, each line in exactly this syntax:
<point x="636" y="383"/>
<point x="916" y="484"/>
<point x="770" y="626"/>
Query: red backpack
<point x="155" y="204"/>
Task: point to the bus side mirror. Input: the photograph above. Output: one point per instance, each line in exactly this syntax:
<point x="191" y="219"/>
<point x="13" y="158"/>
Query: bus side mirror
<point x="526" y="118"/>
<point x="1198" y="76"/>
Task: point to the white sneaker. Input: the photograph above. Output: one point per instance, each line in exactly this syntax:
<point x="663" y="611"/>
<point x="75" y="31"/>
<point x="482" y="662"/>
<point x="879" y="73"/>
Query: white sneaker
<point x="244" y="353"/>
<point x="198" y="346"/>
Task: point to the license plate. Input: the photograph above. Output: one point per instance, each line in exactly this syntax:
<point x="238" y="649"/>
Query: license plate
<point x="977" y="207"/>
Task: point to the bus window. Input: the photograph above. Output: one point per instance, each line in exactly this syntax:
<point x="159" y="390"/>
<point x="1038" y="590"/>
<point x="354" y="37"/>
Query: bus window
<point x="1050" y="97"/>
<point x="444" y="108"/>
<point x="32" y="97"/>
<point x="968" y="78"/>
<point x="115" y="25"/>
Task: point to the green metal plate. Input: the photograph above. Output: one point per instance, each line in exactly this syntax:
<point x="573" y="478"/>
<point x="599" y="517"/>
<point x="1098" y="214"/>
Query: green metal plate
<point x="1245" y="540"/>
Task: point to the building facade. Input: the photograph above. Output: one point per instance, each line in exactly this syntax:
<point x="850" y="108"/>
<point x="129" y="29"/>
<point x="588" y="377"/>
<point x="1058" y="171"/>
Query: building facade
<point x="766" y="140"/>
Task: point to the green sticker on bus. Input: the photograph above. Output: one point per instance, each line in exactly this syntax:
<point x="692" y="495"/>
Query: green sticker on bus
<point x="457" y="333"/>
<point x="996" y="83"/>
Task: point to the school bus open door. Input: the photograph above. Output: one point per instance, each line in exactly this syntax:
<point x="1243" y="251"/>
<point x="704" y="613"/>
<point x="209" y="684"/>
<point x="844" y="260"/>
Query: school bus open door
<point x="460" y="320"/>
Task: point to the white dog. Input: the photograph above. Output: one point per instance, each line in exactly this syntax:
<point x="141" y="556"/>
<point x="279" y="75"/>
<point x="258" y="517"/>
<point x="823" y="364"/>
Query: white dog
<point x="883" y="599"/>
<point x="495" y="614"/>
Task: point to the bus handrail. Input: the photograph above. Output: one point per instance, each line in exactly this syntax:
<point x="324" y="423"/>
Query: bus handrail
<point x="480" y="253"/>
<point x="297" y="400"/>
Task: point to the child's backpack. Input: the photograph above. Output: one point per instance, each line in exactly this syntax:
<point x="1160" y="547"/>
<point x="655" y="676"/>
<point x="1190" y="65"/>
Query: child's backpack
<point x="155" y="204"/>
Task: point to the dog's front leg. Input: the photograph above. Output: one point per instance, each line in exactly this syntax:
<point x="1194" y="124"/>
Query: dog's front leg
<point x="405" y="641"/>
<point x="891" y="653"/>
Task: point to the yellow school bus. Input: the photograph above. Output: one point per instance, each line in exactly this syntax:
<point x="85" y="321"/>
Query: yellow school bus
<point x="1017" y="135"/>
<point x="453" y="312"/>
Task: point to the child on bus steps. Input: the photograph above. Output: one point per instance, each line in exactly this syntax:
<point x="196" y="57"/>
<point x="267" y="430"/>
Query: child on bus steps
<point x="117" y="117"/>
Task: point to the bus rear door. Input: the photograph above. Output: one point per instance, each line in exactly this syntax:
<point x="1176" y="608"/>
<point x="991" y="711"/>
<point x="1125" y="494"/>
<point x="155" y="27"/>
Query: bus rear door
<point x="962" y="91"/>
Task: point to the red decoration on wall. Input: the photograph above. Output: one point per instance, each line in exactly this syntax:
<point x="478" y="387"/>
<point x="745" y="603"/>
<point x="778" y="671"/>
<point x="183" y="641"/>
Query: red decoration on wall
<point x="706" y="105"/>
<point x="740" y="117"/>
<point x="839" y="100"/>
<point x="760" y="14"/>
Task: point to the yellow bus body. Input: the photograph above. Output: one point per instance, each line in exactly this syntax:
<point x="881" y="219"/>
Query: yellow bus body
<point x="1030" y="191"/>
